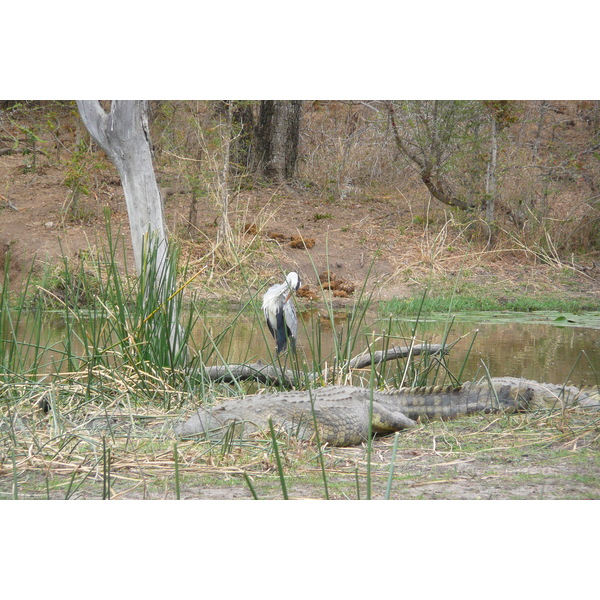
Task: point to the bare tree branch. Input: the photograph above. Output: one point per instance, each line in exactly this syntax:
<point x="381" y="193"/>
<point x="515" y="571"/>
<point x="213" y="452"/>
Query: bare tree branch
<point x="437" y="187"/>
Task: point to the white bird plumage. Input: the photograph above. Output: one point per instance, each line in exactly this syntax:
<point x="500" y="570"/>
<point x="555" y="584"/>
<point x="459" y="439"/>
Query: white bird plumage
<point x="280" y="311"/>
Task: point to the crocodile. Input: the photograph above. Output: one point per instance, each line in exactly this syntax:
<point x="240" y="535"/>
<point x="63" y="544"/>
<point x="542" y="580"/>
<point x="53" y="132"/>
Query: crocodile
<point x="346" y="414"/>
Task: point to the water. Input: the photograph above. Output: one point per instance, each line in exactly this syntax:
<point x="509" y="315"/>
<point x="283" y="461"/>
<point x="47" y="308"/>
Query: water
<point x="547" y="347"/>
<point x="551" y="352"/>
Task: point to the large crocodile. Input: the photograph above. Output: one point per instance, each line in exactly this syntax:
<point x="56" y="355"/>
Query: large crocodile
<point x="344" y="413"/>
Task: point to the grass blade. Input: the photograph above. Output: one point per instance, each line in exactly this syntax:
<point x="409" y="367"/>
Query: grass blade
<point x="319" y="448"/>
<point x="176" y="459"/>
<point x="392" y="465"/>
<point x="15" y="493"/>
<point x="250" y="486"/>
<point x="105" y="470"/>
<point x="278" y="461"/>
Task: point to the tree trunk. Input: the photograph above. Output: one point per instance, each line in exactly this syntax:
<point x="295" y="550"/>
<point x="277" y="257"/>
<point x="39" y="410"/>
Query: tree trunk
<point x="225" y="235"/>
<point x="241" y="115"/>
<point x="277" y="135"/>
<point x="123" y="135"/>
<point x="490" y="180"/>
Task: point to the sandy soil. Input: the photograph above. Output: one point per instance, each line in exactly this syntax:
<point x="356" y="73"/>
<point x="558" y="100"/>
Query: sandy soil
<point x="349" y="236"/>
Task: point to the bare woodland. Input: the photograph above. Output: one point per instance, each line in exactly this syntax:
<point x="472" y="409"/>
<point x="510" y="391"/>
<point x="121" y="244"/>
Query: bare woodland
<point x="520" y="175"/>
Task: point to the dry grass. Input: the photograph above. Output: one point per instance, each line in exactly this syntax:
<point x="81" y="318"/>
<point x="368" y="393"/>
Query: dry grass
<point x="112" y="446"/>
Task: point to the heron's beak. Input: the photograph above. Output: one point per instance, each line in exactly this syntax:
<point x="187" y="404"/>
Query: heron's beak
<point x="288" y="296"/>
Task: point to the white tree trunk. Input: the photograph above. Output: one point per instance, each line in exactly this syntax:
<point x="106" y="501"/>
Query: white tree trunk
<point x="123" y="134"/>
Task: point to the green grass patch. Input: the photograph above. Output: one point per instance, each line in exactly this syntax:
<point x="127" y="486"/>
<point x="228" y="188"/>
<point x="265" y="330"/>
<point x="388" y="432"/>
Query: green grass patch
<point x="482" y="302"/>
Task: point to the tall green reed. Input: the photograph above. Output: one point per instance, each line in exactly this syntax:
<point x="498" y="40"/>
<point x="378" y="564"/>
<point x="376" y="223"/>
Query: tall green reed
<point x="138" y="327"/>
<point x="20" y="331"/>
<point x="278" y="461"/>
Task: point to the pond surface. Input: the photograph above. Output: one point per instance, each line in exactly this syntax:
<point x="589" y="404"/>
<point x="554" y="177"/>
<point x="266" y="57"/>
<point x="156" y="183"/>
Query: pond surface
<point x="548" y="347"/>
<point x="525" y="346"/>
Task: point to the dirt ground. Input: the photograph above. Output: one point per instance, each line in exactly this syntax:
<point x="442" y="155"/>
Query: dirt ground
<point x="350" y="236"/>
<point x="35" y="222"/>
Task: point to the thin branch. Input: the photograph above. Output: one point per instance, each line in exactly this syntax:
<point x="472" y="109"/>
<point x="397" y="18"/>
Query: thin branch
<point x="434" y="184"/>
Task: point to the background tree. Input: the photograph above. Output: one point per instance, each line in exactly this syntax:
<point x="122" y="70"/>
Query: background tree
<point x="276" y="139"/>
<point x="225" y="236"/>
<point x="502" y="113"/>
<point x="435" y="136"/>
<point x="455" y="146"/>
<point x="240" y="115"/>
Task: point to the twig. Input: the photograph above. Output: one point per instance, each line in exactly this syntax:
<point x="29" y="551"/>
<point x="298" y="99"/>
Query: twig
<point x="9" y="203"/>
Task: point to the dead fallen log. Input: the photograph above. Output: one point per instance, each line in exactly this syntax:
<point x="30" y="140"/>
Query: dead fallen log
<point x="366" y="358"/>
<point x="271" y="374"/>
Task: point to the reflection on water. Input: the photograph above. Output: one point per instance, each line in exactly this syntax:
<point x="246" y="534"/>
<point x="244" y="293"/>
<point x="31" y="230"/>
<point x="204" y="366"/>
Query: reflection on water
<point x="544" y="351"/>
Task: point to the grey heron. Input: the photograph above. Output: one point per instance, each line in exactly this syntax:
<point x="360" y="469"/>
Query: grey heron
<point x="280" y="312"/>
